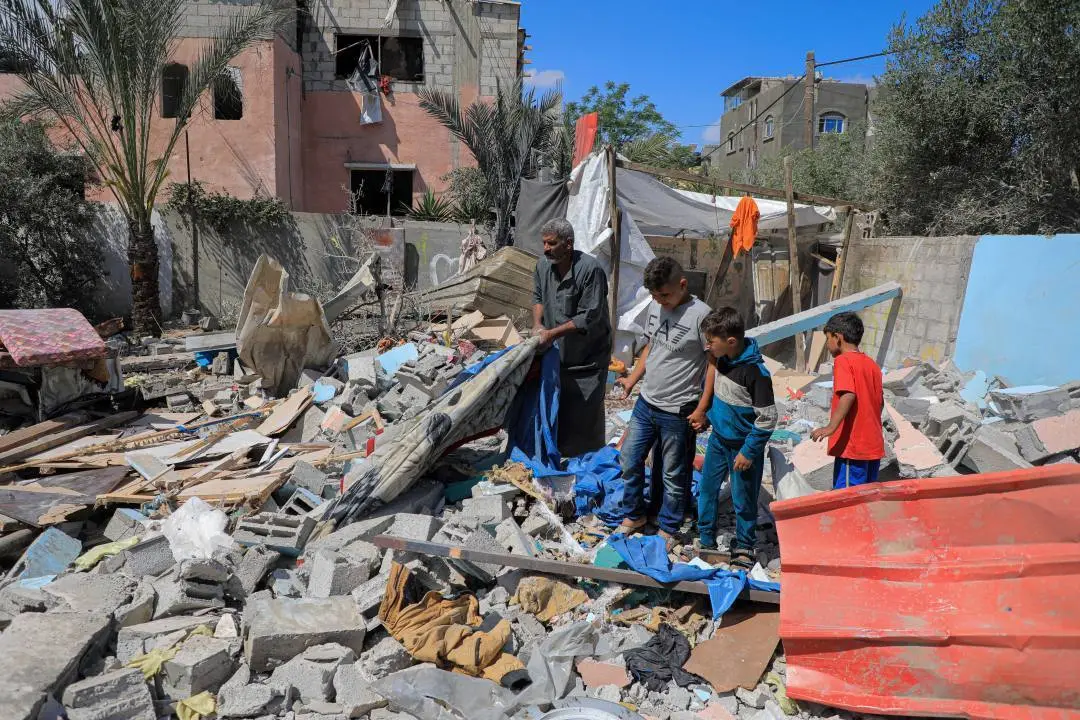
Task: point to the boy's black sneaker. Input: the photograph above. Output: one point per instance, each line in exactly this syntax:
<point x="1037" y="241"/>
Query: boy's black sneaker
<point x="742" y="558"/>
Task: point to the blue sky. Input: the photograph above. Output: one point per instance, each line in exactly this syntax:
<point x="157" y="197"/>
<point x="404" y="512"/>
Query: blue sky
<point x="684" y="53"/>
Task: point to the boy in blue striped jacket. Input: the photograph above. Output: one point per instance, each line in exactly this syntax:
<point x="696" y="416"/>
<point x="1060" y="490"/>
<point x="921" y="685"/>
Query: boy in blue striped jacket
<point x="743" y="415"/>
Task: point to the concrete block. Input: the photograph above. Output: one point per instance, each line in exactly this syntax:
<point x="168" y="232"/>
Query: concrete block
<point x="914" y="409"/>
<point x="50" y="554"/>
<point x="484" y="541"/>
<point x="99" y="594"/>
<point x="40" y="655"/>
<point x="510" y="536"/>
<point x="312" y="672"/>
<point x="335" y="574"/>
<point x="282" y="628"/>
<point x="192" y="586"/>
<point x="1059" y="434"/>
<point x="125" y="523"/>
<point x="133" y="641"/>
<point x="248" y="701"/>
<point x="1030" y="402"/>
<point x="307" y="476"/>
<point x="388" y="656"/>
<point x="302" y="502"/>
<point x="257" y="562"/>
<point x="902" y="380"/>
<point x="119" y="695"/>
<point x="287" y="534"/>
<point x="991" y="450"/>
<point x="354" y="693"/>
<point x="140" y="609"/>
<point x="202" y="663"/>
<point x="368" y="596"/>
<point x="308" y="429"/>
<point x="491" y="509"/>
<point x="414" y="527"/>
<point x="814" y="464"/>
<point x="150" y="557"/>
<point x="361" y="530"/>
<point x="915" y="454"/>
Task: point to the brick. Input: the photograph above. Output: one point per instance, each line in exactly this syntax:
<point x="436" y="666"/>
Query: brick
<point x="202" y="663"/>
<point x="119" y="695"/>
<point x="282" y="628"/>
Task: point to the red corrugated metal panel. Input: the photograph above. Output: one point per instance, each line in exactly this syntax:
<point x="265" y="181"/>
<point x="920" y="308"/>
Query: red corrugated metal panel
<point x="951" y="596"/>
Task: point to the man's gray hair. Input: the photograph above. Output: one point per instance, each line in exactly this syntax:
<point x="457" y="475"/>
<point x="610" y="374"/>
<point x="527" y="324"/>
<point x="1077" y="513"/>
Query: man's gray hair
<point x="559" y="228"/>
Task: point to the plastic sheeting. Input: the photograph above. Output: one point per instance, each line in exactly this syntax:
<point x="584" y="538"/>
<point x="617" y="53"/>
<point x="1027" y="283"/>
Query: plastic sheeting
<point x="279" y="333"/>
<point x="773" y="212"/>
<point x="949" y="596"/>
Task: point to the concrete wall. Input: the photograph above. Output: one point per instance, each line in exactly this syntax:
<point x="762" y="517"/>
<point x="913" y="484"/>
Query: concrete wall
<point x="1022" y="309"/>
<point x="934" y="275"/>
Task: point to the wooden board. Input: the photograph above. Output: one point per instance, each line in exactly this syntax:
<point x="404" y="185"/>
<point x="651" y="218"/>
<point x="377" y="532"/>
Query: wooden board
<point x="56" y="439"/>
<point x="235" y="490"/>
<point x="286" y="413"/>
<point x="33" y="432"/>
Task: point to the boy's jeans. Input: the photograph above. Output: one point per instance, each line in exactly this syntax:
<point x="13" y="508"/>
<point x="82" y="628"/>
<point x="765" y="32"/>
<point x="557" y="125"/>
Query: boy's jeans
<point x="648" y="425"/>
<point x="745" y="486"/>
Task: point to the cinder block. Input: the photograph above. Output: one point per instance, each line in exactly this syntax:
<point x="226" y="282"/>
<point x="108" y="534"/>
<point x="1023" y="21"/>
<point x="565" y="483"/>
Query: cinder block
<point x="511" y="537"/>
<point x="414" y="527"/>
<point x="492" y="509"/>
<point x="202" y="663"/>
<point x="132" y="641"/>
<point x="312" y="672"/>
<point x="119" y="695"/>
<point x="302" y="502"/>
<point x="335" y="574"/>
<point x="360" y="530"/>
<point x="125" y="523"/>
<point x="286" y="534"/>
<point x="1030" y="402"/>
<point x="257" y="563"/>
<point x="193" y="585"/>
<point x="368" y="596"/>
<point x="282" y="628"/>
<point x="150" y="557"/>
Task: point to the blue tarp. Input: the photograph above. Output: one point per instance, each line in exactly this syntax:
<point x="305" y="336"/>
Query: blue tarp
<point x="534" y="431"/>
<point x="599" y="485"/>
<point x="648" y="555"/>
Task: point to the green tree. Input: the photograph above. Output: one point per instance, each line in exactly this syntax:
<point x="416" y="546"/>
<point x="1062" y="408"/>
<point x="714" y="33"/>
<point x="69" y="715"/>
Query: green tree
<point x="44" y="223"/>
<point x="508" y="137"/>
<point x="94" y="67"/>
<point x="838" y="167"/>
<point x="975" y="126"/>
<point x="633" y="126"/>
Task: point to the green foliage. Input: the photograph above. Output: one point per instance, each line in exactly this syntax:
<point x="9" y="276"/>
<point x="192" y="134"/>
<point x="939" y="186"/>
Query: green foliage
<point x="976" y="124"/>
<point x="633" y="125"/>
<point x="508" y="137"/>
<point x="222" y="211"/>
<point x="431" y="208"/>
<point x="48" y="258"/>
<point x="467" y="191"/>
<point x="838" y="167"/>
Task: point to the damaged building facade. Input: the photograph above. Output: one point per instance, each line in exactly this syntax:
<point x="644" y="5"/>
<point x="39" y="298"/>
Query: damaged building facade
<point x="330" y="105"/>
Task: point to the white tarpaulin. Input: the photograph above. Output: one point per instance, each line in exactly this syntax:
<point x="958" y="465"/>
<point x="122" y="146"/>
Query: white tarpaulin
<point x="650" y="207"/>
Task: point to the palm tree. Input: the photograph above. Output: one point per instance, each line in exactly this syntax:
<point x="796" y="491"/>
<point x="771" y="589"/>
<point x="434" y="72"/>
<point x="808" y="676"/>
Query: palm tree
<point x="508" y="138"/>
<point x="94" y="68"/>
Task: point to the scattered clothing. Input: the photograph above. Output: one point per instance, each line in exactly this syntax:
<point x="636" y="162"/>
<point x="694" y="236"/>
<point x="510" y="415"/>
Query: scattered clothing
<point x="666" y="435"/>
<point x="849" y="473"/>
<point x="446" y="632"/>
<point x="745" y="488"/>
<point x="660" y="661"/>
<point x="860" y="436"/>
<point x="744" y="224"/>
<point x="547" y="598"/>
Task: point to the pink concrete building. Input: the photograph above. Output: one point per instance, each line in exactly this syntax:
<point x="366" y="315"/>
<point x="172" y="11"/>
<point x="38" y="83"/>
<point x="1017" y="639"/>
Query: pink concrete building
<point x="305" y="125"/>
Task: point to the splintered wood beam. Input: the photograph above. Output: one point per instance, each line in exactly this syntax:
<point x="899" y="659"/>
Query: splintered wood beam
<point x="556" y="567"/>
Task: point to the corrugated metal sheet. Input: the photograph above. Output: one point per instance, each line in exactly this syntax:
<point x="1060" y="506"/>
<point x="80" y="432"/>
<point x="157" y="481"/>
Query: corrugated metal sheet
<point x="945" y="597"/>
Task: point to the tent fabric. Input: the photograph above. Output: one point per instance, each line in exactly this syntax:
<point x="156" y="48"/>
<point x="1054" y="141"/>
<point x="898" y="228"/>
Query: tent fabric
<point x="537" y="203"/>
<point x="534" y="427"/>
<point x="49" y="337"/>
<point x="773" y="212"/>
<point x="662" y="210"/>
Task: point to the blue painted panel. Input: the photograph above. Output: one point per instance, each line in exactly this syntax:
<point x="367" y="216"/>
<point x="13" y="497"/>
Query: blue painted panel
<point x="1021" y="316"/>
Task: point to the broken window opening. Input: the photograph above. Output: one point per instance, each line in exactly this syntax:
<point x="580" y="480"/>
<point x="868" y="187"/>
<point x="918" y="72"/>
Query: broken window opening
<point x="174" y="77"/>
<point x="382" y="191"/>
<point x="400" y="57"/>
<point x="229" y="95"/>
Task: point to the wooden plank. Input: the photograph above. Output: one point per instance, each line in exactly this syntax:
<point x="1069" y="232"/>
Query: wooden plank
<point x="33" y="432"/>
<point x="816" y="317"/>
<point x="765" y="192"/>
<point x="53" y="440"/>
<point x="286" y="413"/>
<point x="555" y="567"/>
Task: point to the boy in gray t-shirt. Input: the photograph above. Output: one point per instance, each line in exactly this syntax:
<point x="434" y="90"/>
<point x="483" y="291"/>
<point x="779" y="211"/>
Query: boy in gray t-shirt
<point x="670" y="409"/>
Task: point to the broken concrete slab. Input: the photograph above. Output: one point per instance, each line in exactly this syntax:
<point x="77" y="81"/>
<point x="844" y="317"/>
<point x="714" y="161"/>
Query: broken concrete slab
<point x="134" y="640"/>
<point x="992" y="450"/>
<point x="335" y="574"/>
<point x="1059" y="434"/>
<point x="118" y="695"/>
<point x="254" y="567"/>
<point x="915" y="454"/>
<point x="100" y="594"/>
<point x="814" y="464"/>
<point x="1030" y="402"/>
<point x="125" y="523"/>
<point x="202" y="663"/>
<point x="354" y="693"/>
<point x="191" y="586"/>
<point x="307" y="476"/>
<point x="511" y="537"/>
<point x="139" y="609"/>
<point x="388" y="656"/>
<point x="282" y="628"/>
<point x="37" y="660"/>
<point x="360" y="530"/>
<point x="312" y="672"/>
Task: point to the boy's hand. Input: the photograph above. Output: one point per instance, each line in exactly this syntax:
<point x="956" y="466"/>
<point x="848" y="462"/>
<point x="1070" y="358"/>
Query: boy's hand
<point x="741" y="463"/>
<point x="697" y="420"/>
<point x="626" y="384"/>
<point x="818" y="434"/>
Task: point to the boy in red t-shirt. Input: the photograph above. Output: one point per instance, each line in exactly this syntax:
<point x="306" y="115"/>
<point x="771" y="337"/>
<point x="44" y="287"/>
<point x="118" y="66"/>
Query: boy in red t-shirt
<point x="854" y="429"/>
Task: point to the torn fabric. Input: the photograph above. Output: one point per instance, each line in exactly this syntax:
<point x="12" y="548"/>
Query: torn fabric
<point x="661" y="660"/>
<point x="547" y="598"/>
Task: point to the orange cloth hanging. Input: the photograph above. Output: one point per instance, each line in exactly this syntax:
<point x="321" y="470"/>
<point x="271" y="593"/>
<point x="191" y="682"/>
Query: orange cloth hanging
<point x="744" y="226"/>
